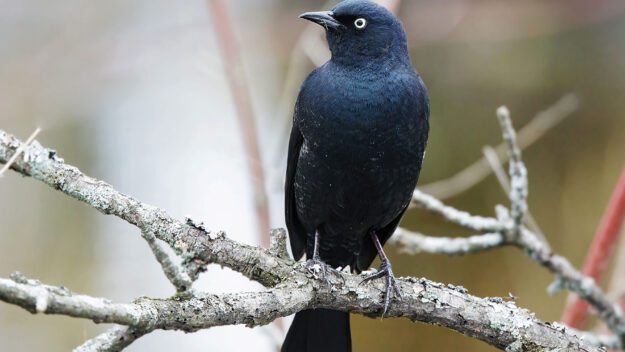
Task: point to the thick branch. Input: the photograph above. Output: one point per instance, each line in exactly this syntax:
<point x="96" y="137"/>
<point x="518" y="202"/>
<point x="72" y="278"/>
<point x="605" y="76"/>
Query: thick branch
<point x="494" y="321"/>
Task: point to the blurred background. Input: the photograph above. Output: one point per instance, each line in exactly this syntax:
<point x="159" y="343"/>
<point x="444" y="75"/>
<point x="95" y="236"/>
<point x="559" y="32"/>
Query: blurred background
<point x="138" y="93"/>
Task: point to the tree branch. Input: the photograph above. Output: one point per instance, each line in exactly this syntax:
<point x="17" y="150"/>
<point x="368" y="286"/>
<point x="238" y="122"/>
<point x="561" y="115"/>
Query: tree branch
<point x="174" y="273"/>
<point x="43" y="299"/>
<point x="114" y="340"/>
<point x="491" y="320"/>
<point x="494" y="321"/>
<point x="414" y="243"/>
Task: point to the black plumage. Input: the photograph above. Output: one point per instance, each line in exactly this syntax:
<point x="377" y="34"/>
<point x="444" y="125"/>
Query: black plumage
<point x="359" y="133"/>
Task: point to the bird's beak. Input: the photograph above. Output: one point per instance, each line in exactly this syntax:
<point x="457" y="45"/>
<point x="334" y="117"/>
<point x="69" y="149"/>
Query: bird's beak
<point x="322" y="18"/>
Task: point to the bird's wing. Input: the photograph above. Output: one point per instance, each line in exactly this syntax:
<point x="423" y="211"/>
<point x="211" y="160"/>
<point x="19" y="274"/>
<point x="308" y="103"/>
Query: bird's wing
<point x="368" y="251"/>
<point x="297" y="233"/>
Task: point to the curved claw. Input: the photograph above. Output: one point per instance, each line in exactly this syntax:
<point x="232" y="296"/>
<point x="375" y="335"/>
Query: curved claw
<point x="318" y="268"/>
<point x="391" y="284"/>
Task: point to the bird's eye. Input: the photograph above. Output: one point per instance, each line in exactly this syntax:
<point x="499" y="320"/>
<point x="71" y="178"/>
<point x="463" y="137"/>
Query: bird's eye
<point x="360" y="23"/>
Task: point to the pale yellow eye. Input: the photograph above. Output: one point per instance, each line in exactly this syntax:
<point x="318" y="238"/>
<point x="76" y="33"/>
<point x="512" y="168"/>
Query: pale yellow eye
<point x="360" y="23"/>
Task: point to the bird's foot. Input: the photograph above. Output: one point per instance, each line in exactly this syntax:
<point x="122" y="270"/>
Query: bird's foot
<point x="318" y="269"/>
<point x="386" y="271"/>
<point x="321" y="270"/>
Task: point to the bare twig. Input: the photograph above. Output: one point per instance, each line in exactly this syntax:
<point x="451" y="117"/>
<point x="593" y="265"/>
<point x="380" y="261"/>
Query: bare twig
<point x="493" y="160"/>
<point x="19" y="151"/>
<point x="414" y="242"/>
<point x="176" y="275"/>
<point x="453" y="215"/>
<point x="528" y="135"/>
<point x="114" y="340"/>
<point x="518" y="172"/>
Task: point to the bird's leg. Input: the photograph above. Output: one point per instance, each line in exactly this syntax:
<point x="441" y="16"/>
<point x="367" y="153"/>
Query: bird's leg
<point x="385" y="271"/>
<point x="315" y="264"/>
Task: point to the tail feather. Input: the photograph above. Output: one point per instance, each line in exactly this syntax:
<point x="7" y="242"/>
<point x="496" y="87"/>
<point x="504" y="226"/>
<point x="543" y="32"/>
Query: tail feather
<point x="319" y="330"/>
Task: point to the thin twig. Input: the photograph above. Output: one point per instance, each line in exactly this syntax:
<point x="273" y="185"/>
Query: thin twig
<point x="414" y="243"/>
<point x="493" y="160"/>
<point x="176" y="274"/>
<point x="19" y="151"/>
<point x="518" y="172"/>
<point x="113" y="340"/>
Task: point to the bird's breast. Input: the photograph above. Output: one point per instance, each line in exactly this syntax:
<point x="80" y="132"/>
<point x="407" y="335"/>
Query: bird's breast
<point x="360" y="119"/>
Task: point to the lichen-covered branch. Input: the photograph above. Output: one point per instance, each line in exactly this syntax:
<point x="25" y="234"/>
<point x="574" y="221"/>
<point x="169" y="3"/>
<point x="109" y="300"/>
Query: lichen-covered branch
<point x="113" y="340"/>
<point x="414" y="242"/>
<point x="174" y="273"/>
<point x="492" y="320"/>
<point x="518" y="173"/>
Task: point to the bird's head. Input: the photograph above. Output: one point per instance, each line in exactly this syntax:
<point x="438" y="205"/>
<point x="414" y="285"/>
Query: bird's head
<point x="360" y="31"/>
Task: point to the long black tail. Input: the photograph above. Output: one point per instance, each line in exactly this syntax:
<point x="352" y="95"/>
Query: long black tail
<point x="319" y="330"/>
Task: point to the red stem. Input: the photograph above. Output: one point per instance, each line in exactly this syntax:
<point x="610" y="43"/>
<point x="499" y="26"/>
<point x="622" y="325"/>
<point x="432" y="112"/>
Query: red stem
<point x="577" y="310"/>
<point x="233" y="67"/>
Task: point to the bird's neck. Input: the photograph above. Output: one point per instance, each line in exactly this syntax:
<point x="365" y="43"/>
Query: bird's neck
<point x="391" y="57"/>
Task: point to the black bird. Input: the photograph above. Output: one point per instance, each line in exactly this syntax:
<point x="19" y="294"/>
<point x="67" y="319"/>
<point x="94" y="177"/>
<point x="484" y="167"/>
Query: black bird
<point x="359" y="133"/>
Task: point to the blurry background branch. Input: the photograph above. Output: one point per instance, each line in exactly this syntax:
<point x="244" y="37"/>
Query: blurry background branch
<point x="600" y="253"/>
<point x="529" y="134"/>
<point x="293" y="288"/>
<point x="242" y="102"/>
